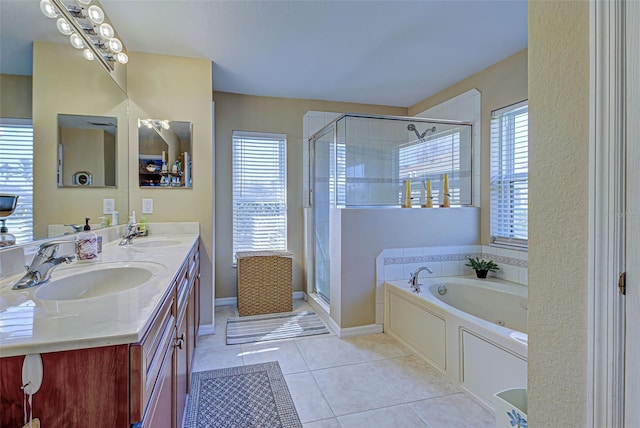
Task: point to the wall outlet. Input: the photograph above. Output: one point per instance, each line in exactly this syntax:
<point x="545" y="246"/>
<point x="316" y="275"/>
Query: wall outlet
<point x="108" y="206"/>
<point x="147" y="206"/>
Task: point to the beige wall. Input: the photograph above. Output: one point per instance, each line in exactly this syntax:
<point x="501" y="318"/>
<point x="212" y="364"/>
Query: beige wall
<point x="84" y="150"/>
<point x="15" y="96"/>
<point x="501" y="84"/>
<point x="264" y="114"/>
<point x="65" y="83"/>
<point x="174" y="88"/>
<point x="558" y="212"/>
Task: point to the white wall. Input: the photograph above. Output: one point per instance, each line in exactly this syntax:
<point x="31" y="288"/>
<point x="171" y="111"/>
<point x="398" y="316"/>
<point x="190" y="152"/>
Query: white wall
<point x="366" y="232"/>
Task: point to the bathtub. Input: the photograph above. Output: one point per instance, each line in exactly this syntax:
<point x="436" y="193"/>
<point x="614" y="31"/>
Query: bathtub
<point x="472" y="330"/>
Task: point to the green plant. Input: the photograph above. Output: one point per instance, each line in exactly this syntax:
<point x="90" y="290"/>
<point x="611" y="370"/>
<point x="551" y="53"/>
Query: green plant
<point x="480" y="264"/>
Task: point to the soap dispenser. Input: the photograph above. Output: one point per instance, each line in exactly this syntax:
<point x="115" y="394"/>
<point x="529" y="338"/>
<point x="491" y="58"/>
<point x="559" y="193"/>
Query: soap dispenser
<point x="6" y="238"/>
<point x="87" y="243"/>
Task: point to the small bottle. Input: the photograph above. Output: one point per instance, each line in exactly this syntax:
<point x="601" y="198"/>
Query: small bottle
<point x="143" y="224"/>
<point x="87" y="243"/>
<point x="132" y="219"/>
<point x="6" y="238"/>
<point x="115" y="218"/>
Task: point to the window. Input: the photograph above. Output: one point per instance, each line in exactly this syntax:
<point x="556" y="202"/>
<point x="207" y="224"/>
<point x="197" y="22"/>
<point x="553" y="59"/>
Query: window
<point x="259" y="191"/>
<point x="430" y="159"/>
<point x="509" y="175"/>
<point x="16" y="174"/>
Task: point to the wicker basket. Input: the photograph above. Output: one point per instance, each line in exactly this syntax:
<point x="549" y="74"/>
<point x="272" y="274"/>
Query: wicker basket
<point x="264" y="282"/>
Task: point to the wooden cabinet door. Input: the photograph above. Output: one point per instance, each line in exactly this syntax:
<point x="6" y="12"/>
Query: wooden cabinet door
<point x="181" y="373"/>
<point x="160" y="411"/>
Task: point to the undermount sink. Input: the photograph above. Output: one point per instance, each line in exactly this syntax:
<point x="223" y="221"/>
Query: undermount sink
<point x="101" y="279"/>
<point x="154" y="242"/>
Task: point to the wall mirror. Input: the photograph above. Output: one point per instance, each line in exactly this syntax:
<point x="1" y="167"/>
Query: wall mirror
<point x="41" y="76"/>
<point x="164" y="153"/>
<point x="87" y="147"/>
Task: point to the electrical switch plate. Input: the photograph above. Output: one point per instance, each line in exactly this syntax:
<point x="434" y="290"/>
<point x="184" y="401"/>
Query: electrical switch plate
<point x="108" y="206"/>
<point x="147" y="206"/>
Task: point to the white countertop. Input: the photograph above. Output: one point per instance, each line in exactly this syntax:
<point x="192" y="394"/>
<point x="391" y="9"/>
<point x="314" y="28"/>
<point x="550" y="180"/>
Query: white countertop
<point x="30" y="325"/>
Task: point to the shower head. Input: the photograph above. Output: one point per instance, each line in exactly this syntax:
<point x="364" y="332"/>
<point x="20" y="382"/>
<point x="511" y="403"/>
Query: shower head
<point x="412" y="127"/>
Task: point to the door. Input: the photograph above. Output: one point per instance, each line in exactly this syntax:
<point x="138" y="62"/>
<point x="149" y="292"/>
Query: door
<point x="632" y="217"/>
<point x="323" y="199"/>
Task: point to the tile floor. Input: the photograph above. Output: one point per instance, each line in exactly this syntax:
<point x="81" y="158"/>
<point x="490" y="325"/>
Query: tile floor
<point x="365" y="381"/>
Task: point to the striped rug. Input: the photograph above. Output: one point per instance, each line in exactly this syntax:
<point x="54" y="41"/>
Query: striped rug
<point x="260" y="328"/>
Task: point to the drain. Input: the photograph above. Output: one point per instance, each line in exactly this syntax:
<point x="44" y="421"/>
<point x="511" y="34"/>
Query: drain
<point x="500" y="322"/>
<point x="442" y="290"/>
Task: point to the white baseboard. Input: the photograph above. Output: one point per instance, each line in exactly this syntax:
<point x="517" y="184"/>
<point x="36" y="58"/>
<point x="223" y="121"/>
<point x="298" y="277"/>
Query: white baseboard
<point x="233" y="301"/>
<point x="299" y="295"/>
<point x="206" y="329"/>
<point x="361" y="330"/>
<point x="227" y="301"/>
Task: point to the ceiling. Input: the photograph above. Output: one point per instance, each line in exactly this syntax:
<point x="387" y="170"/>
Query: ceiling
<point x="376" y="52"/>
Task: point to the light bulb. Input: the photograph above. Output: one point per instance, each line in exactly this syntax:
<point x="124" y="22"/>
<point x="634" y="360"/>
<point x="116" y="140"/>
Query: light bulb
<point x="88" y="55"/>
<point x="76" y="41"/>
<point x="95" y="15"/>
<point x="106" y="31"/>
<point x="115" y="45"/>
<point x="122" y="58"/>
<point x="64" y="27"/>
<point x="47" y="8"/>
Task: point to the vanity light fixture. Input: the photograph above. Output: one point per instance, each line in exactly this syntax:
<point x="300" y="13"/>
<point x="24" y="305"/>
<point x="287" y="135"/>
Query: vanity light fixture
<point x="85" y="24"/>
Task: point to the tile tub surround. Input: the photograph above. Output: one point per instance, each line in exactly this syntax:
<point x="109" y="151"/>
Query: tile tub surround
<point x="32" y="325"/>
<point x="400" y="263"/>
<point x="375" y="382"/>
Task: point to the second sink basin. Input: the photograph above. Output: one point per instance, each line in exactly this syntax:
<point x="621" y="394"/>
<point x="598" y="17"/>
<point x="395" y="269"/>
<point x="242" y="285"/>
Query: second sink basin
<point x="101" y="279"/>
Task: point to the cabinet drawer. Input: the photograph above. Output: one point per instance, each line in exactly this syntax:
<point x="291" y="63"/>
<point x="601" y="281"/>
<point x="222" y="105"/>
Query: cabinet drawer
<point x="147" y="357"/>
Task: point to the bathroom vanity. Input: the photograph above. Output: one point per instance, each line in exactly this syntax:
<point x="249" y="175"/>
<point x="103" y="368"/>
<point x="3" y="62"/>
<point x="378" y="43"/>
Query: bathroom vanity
<point x="116" y="359"/>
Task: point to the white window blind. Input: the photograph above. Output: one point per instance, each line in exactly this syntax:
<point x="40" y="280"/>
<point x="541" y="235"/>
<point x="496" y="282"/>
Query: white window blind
<point x="16" y="174"/>
<point x="509" y="175"/>
<point x="430" y="160"/>
<point x="259" y="191"/>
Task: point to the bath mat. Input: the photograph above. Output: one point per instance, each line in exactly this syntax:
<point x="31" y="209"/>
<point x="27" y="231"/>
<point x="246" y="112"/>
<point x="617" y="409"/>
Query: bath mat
<point x="248" y="396"/>
<point x="260" y="328"/>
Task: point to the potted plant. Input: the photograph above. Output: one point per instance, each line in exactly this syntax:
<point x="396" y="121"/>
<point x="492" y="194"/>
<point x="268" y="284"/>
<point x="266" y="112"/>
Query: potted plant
<point x="482" y="267"/>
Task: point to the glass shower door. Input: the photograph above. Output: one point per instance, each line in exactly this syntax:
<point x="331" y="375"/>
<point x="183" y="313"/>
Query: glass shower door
<point x="323" y="151"/>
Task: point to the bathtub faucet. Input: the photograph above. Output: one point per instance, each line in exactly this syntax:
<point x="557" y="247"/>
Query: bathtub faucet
<point x="413" y="279"/>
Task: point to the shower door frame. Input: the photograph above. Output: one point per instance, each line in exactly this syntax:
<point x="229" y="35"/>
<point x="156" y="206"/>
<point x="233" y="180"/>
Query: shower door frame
<point x="331" y="126"/>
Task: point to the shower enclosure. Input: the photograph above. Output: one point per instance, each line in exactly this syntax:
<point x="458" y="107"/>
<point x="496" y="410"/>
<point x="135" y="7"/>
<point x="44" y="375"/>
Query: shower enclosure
<point x="364" y="161"/>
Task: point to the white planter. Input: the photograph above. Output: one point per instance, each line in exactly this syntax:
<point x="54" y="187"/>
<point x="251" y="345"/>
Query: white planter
<point x="511" y="408"/>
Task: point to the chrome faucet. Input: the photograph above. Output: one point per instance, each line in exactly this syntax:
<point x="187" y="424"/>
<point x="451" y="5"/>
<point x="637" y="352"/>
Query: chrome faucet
<point x="130" y="233"/>
<point x="413" y="279"/>
<point x="43" y="263"/>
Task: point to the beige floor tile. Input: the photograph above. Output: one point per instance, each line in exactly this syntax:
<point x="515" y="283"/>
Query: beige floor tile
<point x="307" y="397"/>
<point x="325" y="423"/>
<point x="388" y="417"/>
<point x="356" y="388"/>
<point x="286" y="353"/>
<point x="328" y="351"/>
<point x="214" y="342"/>
<point x="378" y="347"/>
<point x="414" y="377"/>
<point x="457" y="410"/>
<point x="217" y="359"/>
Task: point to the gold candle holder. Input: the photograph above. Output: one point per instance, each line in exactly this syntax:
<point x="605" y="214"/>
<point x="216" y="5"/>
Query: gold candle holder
<point x="445" y="191"/>
<point x="428" y="202"/>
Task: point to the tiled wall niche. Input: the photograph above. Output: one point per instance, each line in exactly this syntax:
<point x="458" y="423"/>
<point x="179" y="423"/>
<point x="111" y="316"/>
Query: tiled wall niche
<point x="400" y="263"/>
